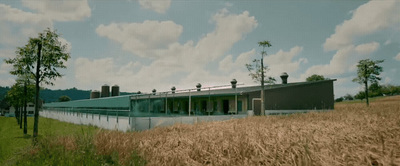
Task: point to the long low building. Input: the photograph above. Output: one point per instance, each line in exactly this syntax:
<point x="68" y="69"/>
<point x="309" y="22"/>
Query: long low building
<point x="316" y="95"/>
<point x="146" y="111"/>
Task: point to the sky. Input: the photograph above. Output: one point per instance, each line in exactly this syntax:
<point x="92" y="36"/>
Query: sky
<point x="142" y="45"/>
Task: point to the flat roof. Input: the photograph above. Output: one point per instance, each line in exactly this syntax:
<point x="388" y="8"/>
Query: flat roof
<point x="220" y="92"/>
<point x="124" y="101"/>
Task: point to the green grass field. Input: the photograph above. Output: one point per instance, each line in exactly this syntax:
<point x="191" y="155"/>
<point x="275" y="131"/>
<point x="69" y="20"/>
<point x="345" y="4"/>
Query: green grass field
<point x="13" y="141"/>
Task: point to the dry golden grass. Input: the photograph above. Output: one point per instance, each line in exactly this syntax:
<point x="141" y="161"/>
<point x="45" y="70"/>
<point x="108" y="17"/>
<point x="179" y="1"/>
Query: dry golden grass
<point x="352" y="134"/>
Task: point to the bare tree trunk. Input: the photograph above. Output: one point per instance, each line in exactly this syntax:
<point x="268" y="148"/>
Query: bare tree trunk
<point x="17" y="114"/>
<point x="366" y="92"/>
<point x="25" y="120"/>
<point x="20" y="118"/>
<point x="36" y="118"/>
<point x="262" y="87"/>
<point x="366" y="85"/>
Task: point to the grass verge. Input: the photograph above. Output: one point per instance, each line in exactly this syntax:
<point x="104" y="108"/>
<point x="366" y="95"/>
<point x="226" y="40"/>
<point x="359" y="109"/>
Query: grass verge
<point x="59" y="143"/>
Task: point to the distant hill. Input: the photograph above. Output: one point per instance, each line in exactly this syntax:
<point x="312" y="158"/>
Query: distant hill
<point x="49" y="95"/>
<point x="3" y="92"/>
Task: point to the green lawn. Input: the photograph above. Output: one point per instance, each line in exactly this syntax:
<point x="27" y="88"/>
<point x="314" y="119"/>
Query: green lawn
<point x="13" y="141"/>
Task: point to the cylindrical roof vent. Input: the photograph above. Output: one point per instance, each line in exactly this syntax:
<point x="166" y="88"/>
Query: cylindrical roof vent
<point x="154" y="91"/>
<point x="284" y="77"/>
<point x="115" y="90"/>
<point x="105" y="91"/>
<point x="94" y="94"/>
<point x="198" y="86"/>
<point x="173" y="89"/>
<point x="233" y="83"/>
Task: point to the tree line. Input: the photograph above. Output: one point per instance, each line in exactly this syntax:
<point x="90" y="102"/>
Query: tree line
<point x="35" y="64"/>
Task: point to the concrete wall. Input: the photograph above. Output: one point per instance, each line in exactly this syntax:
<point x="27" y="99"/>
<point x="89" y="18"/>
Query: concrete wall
<point x="130" y="123"/>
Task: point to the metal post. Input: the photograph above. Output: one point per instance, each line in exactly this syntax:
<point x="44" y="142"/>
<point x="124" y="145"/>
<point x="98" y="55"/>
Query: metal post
<point x="166" y="103"/>
<point x="129" y="116"/>
<point x="117" y="116"/>
<point x="149" y="104"/>
<point x="209" y="101"/>
<point x="190" y="101"/>
<point x="236" y="100"/>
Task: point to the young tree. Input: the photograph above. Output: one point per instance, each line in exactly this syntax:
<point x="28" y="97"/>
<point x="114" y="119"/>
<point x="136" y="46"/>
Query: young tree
<point x="316" y="77"/>
<point x="40" y="58"/>
<point x="27" y="96"/>
<point x="368" y="71"/>
<point x="257" y="72"/>
<point x="14" y="96"/>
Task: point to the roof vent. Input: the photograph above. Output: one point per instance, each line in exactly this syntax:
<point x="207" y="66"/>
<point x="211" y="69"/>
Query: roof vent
<point x="198" y="86"/>
<point x="173" y="89"/>
<point x="284" y="77"/>
<point x="154" y="91"/>
<point x="233" y="83"/>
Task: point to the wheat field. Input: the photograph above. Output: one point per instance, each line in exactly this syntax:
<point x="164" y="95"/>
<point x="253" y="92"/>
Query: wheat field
<point x="352" y="134"/>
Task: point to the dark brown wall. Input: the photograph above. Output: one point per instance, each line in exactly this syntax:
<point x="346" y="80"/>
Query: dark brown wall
<point x="318" y="95"/>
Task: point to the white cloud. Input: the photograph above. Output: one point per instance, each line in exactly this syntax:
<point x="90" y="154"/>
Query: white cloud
<point x="60" y="10"/>
<point x="397" y="57"/>
<point x="228" y="64"/>
<point x="7" y="82"/>
<point x="159" y="6"/>
<point x="229" y="30"/>
<point x="5" y="68"/>
<point x="7" y="13"/>
<point x="283" y="61"/>
<point x="367" y="19"/>
<point x="6" y="53"/>
<point x="65" y="42"/>
<point x="343" y="61"/>
<point x="172" y="62"/>
<point x="143" y="39"/>
<point x="368" y="48"/>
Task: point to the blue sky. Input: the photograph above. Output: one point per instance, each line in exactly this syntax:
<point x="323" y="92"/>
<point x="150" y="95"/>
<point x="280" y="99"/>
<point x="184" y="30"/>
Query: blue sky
<point x="143" y="45"/>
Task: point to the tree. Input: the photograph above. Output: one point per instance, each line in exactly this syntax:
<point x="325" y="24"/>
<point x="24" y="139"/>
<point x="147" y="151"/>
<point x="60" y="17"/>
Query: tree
<point x="340" y="99"/>
<point x="27" y="96"/>
<point x="375" y="90"/>
<point x="316" y="77"/>
<point x="257" y="72"/>
<point x="64" y="99"/>
<point x="348" y="97"/>
<point x="14" y="96"/>
<point x="360" y="95"/>
<point x="368" y="71"/>
<point x="40" y="58"/>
